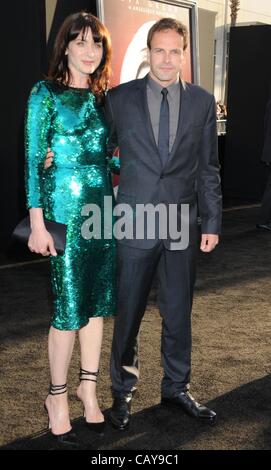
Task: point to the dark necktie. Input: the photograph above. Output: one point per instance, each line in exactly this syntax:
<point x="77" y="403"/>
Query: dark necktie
<point x="163" y="134"/>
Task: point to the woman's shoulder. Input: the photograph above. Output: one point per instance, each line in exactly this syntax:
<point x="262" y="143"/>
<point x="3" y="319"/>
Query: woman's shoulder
<point x="42" y="87"/>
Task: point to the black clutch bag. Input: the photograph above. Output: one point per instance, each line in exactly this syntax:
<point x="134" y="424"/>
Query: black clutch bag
<point x="58" y="231"/>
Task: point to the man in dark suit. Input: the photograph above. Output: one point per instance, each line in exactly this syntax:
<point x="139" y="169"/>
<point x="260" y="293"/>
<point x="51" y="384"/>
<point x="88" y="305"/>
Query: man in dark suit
<point x="265" y="211"/>
<point x="166" y="133"/>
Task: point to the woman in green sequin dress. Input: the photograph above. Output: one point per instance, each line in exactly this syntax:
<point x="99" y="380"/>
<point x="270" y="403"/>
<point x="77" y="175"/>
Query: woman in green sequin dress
<point x="64" y="113"/>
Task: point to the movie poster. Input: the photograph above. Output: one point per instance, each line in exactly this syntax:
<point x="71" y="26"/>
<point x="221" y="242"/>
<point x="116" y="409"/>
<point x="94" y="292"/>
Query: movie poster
<point x="129" y="22"/>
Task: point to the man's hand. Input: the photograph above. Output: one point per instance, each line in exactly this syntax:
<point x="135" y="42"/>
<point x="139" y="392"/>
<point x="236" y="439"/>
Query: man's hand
<point x="48" y="159"/>
<point x="208" y="242"/>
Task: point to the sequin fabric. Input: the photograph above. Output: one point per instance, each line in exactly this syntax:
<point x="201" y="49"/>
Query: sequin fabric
<point x="69" y="121"/>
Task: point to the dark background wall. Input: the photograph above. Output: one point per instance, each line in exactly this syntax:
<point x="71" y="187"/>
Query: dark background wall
<point x="24" y="55"/>
<point x="248" y="93"/>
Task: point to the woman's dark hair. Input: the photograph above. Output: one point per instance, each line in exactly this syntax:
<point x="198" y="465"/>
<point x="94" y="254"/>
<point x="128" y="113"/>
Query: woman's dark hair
<point x="76" y="24"/>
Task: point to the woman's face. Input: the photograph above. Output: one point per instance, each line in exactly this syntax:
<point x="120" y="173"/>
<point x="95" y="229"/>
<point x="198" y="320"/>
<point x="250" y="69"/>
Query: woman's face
<point x="84" y="55"/>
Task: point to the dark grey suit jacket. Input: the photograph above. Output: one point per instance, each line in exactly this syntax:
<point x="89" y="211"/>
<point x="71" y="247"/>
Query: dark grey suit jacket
<point x="191" y="174"/>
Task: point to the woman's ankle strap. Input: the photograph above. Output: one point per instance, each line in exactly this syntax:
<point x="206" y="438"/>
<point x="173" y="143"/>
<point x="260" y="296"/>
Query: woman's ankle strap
<point x="84" y="373"/>
<point x="57" y="389"/>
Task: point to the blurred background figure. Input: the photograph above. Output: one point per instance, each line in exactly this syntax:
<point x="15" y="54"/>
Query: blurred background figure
<point x="221" y="111"/>
<point x="221" y="118"/>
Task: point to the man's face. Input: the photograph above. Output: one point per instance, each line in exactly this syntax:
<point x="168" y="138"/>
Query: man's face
<point x="166" y="56"/>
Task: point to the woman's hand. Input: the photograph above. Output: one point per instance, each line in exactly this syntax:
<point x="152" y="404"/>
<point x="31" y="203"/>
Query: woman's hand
<point x="41" y="241"/>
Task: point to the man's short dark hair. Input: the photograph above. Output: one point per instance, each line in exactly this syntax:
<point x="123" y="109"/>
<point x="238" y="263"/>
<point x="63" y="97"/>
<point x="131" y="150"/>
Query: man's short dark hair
<point x="168" y="23"/>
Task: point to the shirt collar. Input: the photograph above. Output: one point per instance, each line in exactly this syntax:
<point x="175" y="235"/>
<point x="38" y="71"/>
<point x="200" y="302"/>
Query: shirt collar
<point x="157" y="88"/>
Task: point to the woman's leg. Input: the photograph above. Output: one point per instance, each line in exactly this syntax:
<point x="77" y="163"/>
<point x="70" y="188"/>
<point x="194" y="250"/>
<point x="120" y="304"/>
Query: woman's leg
<point x="60" y="348"/>
<point x="90" y="337"/>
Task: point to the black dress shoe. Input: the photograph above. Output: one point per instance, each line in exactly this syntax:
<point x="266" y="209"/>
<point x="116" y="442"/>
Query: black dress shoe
<point x="187" y="403"/>
<point x="266" y="226"/>
<point x="99" y="428"/>
<point x="120" y="413"/>
<point x="67" y="439"/>
<point x="91" y="377"/>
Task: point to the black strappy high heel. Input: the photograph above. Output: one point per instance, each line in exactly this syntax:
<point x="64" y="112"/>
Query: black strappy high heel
<point x="69" y="437"/>
<point x="97" y="427"/>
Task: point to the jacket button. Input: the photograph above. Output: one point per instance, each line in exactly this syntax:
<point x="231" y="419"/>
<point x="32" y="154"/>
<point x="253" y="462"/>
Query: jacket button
<point x="161" y="177"/>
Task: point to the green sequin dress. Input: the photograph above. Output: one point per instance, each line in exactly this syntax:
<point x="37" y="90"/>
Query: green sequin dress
<point x="69" y="122"/>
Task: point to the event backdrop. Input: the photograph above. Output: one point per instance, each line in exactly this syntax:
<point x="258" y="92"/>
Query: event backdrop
<point x="129" y="22"/>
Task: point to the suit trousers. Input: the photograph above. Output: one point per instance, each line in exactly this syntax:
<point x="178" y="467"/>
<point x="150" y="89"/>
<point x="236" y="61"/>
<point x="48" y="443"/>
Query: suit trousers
<point x="176" y="277"/>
